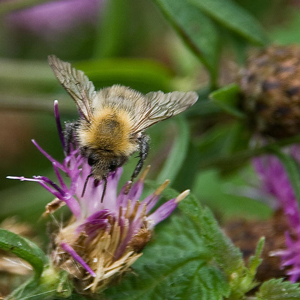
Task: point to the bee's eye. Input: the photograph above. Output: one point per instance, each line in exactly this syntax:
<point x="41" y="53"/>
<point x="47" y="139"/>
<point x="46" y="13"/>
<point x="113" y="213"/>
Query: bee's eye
<point x="113" y="166"/>
<point x="92" y="160"/>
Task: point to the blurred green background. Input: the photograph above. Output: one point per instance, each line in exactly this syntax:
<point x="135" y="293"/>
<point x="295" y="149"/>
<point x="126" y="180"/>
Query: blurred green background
<point x="138" y="43"/>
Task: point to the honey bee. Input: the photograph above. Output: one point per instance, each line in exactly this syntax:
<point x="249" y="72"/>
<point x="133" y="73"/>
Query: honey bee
<point x="112" y="121"/>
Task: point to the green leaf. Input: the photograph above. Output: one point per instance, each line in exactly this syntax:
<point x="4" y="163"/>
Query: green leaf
<point x="277" y="289"/>
<point x="255" y="261"/>
<point x="224" y="140"/>
<point x="53" y="284"/>
<point x="112" y="29"/>
<point x="196" y="29"/>
<point x="221" y="194"/>
<point x="176" y="266"/>
<point x="192" y="208"/>
<point x="289" y="32"/>
<point x="234" y="17"/>
<point x="189" y="170"/>
<point x="77" y="297"/>
<point x="245" y="281"/>
<point x="178" y="153"/>
<point x="221" y="248"/>
<point x="24" y="249"/>
<point x="203" y="107"/>
<point x="238" y="138"/>
<point x="239" y="45"/>
<point x="292" y="169"/>
<point x="228" y="257"/>
<point x="213" y="142"/>
<point x="225" y="253"/>
<point x="222" y="252"/>
<point x="228" y="98"/>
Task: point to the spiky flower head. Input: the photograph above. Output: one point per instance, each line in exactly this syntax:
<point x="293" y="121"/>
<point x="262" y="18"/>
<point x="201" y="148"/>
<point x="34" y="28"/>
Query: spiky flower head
<point x="102" y="239"/>
<point x="275" y="182"/>
<point x="52" y="20"/>
<point x="270" y="85"/>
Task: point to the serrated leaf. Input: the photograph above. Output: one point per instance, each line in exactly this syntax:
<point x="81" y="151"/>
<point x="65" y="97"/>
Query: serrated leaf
<point x="234" y="17"/>
<point x="227" y="98"/>
<point x="192" y="208"/>
<point x="24" y="249"/>
<point x="175" y="266"/>
<point x="225" y="253"/>
<point x="245" y="282"/>
<point x="178" y="153"/>
<point x="222" y="249"/>
<point x="255" y="261"/>
<point x="195" y="28"/>
<point x="277" y="289"/>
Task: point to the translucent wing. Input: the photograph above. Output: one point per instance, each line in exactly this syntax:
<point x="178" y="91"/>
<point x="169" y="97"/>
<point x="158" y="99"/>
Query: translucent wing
<point x="76" y="83"/>
<point x="159" y="106"/>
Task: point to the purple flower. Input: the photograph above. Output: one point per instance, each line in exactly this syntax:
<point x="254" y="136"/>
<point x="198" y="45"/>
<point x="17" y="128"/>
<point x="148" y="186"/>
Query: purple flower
<point x="53" y="18"/>
<point x="275" y="182"/>
<point x="102" y="239"/>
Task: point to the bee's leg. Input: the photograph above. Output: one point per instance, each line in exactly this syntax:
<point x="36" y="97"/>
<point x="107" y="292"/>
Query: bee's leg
<point x="70" y="135"/>
<point x="144" y="149"/>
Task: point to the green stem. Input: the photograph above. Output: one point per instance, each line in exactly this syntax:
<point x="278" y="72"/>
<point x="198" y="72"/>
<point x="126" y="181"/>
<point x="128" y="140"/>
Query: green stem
<point x="178" y="153"/>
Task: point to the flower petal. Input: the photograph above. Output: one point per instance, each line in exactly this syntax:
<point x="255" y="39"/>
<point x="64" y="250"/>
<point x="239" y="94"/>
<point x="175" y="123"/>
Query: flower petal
<point x="73" y="253"/>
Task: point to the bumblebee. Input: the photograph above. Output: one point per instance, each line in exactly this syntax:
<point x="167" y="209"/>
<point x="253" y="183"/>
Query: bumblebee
<point x="112" y="121"/>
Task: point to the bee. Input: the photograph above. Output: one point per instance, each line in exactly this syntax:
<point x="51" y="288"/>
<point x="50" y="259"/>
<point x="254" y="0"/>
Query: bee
<point x="112" y="121"/>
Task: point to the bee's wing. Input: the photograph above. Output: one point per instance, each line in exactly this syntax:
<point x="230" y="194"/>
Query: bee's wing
<point x="160" y="106"/>
<point x="76" y="83"/>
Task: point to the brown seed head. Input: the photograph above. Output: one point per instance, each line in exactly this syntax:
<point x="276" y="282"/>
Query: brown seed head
<point x="270" y="86"/>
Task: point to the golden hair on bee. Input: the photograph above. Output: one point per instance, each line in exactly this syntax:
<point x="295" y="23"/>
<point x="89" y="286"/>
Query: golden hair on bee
<point x="109" y="128"/>
<point x="112" y="121"/>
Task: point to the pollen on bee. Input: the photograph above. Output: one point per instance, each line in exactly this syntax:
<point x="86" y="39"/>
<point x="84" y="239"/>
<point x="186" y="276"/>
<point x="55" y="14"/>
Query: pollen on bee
<point x="111" y="129"/>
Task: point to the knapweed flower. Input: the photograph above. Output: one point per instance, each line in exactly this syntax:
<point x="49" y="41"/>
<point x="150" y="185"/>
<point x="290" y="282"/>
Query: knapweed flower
<point x="50" y="20"/>
<point x="275" y="182"/>
<point x="102" y="239"/>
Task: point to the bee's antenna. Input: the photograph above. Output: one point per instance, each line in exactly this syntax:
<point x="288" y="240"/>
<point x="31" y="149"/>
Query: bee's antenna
<point x="104" y="188"/>
<point x="85" y="184"/>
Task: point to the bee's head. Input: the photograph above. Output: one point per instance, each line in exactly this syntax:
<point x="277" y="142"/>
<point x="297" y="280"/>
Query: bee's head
<point x="102" y="165"/>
